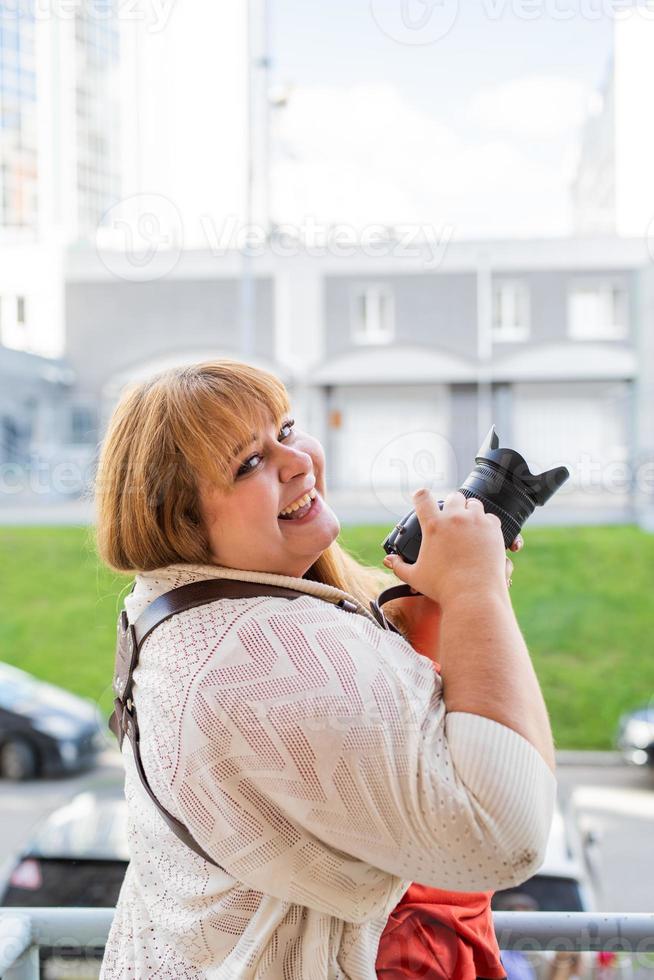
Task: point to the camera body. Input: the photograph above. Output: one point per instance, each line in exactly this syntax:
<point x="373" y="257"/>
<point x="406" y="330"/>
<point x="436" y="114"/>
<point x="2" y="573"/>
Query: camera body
<point x="501" y="479"/>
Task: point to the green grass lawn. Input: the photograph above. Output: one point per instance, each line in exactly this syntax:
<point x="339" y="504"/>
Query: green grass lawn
<point x="583" y="597"/>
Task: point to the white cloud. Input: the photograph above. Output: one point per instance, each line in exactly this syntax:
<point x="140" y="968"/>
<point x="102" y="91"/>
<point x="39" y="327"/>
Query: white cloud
<point x="537" y="106"/>
<point x="366" y="155"/>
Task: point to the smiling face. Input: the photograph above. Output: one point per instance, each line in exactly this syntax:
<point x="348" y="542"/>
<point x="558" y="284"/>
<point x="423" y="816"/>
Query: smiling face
<point x="242" y="522"/>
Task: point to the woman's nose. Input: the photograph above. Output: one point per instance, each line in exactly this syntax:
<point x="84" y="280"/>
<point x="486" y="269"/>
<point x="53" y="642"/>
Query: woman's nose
<point x="294" y="462"/>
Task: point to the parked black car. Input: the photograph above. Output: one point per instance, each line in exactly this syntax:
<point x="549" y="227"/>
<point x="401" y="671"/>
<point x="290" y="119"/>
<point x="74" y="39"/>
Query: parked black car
<point x="635" y="737"/>
<point x="44" y="730"/>
<point x="77" y="858"/>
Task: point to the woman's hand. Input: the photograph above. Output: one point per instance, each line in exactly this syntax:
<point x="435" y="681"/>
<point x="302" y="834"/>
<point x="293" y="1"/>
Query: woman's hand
<point x="462" y="550"/>
<point x="419" y="617"/>
<point x="484" y="662"/>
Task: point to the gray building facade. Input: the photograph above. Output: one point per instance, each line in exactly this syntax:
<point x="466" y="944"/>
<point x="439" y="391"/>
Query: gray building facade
<point x="399" y="364"/>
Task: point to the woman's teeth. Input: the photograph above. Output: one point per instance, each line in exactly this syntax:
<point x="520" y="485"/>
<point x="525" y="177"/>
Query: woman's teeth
<point x="301" y="504"/>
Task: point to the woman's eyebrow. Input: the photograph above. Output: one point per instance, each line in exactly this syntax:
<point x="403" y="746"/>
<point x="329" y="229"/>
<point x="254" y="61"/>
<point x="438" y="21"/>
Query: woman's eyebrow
<point x="255" y="438"/>
<point x="243" y="446"/>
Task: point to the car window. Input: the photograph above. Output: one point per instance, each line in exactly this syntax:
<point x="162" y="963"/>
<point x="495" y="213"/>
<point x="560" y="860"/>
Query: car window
<point x="69" y="883"/>
<point x="552" y="893"/>
<point x="98" y="833"/>
<point x="27" y="696"/>
<point x="14" y="694"/>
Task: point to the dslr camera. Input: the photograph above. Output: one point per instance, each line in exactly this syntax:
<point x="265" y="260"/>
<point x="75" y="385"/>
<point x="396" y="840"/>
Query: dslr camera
<point x="503" y="482"/>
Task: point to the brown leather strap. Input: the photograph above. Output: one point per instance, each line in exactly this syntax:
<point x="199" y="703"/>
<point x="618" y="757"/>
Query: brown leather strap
<point x="394" y="592"/>
<point x="199" y="593"/>
<point x="130" y="639"/>
<point x="129" y="726"/>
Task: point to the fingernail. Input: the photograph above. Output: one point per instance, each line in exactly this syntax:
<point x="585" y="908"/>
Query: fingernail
<point x="388" y="560"/>
<point x="419" y="493"/>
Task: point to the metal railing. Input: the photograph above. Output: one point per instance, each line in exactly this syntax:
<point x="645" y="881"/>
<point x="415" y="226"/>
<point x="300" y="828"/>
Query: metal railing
<point x="23" y="931"/>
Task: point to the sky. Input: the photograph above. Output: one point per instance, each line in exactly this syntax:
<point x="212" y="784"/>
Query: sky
<point x="437" y="112"/>
<point x="462" y="119"/>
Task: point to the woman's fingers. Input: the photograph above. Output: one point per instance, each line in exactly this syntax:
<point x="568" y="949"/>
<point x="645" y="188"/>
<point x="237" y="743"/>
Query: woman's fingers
<point x="429" y="514"/>
<point x="454" y="501"/>
<point x="404" y="570"/>
<point x="425" y="505"/>
<point x="517" y="545"/>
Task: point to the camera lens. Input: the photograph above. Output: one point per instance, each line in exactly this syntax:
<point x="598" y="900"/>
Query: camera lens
<point x="503" y="482"/>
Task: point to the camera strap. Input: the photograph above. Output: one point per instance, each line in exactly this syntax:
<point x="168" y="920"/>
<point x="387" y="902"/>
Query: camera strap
<point x="131" y="637"/>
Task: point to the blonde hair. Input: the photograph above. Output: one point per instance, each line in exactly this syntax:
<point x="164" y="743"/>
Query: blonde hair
<point x="163" y="434"/>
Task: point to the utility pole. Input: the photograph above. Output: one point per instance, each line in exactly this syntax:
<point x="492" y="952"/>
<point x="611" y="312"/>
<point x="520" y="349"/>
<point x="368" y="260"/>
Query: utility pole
<point x="257" y="155"/>
<point x="484" y="344"/>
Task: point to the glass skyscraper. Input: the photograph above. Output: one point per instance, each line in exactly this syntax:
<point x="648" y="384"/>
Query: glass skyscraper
<point x="97" y="113"/>
<point x="60" y="157"/>
<point x="18" y="135"/>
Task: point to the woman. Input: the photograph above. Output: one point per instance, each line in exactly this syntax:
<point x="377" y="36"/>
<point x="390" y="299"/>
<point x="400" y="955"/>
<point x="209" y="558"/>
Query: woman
<point x="310" y="753"/>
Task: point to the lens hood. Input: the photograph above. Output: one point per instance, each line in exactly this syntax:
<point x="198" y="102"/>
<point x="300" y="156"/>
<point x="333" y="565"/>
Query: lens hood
<point x="538" y="486"/>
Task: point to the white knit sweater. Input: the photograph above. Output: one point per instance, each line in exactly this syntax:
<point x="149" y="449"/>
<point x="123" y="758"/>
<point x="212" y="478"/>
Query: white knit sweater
<point x="310" y="753"/>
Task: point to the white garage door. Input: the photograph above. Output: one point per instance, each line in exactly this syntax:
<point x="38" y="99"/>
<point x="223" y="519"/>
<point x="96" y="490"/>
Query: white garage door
<point x="583" y="426"/>
<point x="390" y="437"/>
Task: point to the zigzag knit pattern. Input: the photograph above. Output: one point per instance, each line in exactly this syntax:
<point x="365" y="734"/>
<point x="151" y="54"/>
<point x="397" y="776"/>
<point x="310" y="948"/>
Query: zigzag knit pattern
<point x="310" y="753"/>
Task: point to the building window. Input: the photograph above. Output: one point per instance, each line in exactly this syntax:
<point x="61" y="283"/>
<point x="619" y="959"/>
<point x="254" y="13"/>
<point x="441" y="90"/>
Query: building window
<point x="13" y="322"/>
<point x="82" y="425"/>
<point x="11" y="443"/>
<point x="597" y="311"/>
<point x="510" y="310"/>
<point x="373" y="315"/>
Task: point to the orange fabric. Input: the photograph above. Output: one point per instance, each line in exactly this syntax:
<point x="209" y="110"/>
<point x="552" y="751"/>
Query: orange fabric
<point x="439" y="935"/>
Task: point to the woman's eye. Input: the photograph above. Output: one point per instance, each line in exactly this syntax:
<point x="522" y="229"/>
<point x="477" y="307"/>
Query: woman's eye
<point x="287" y="428"/>
<point x="245" y="468"/>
